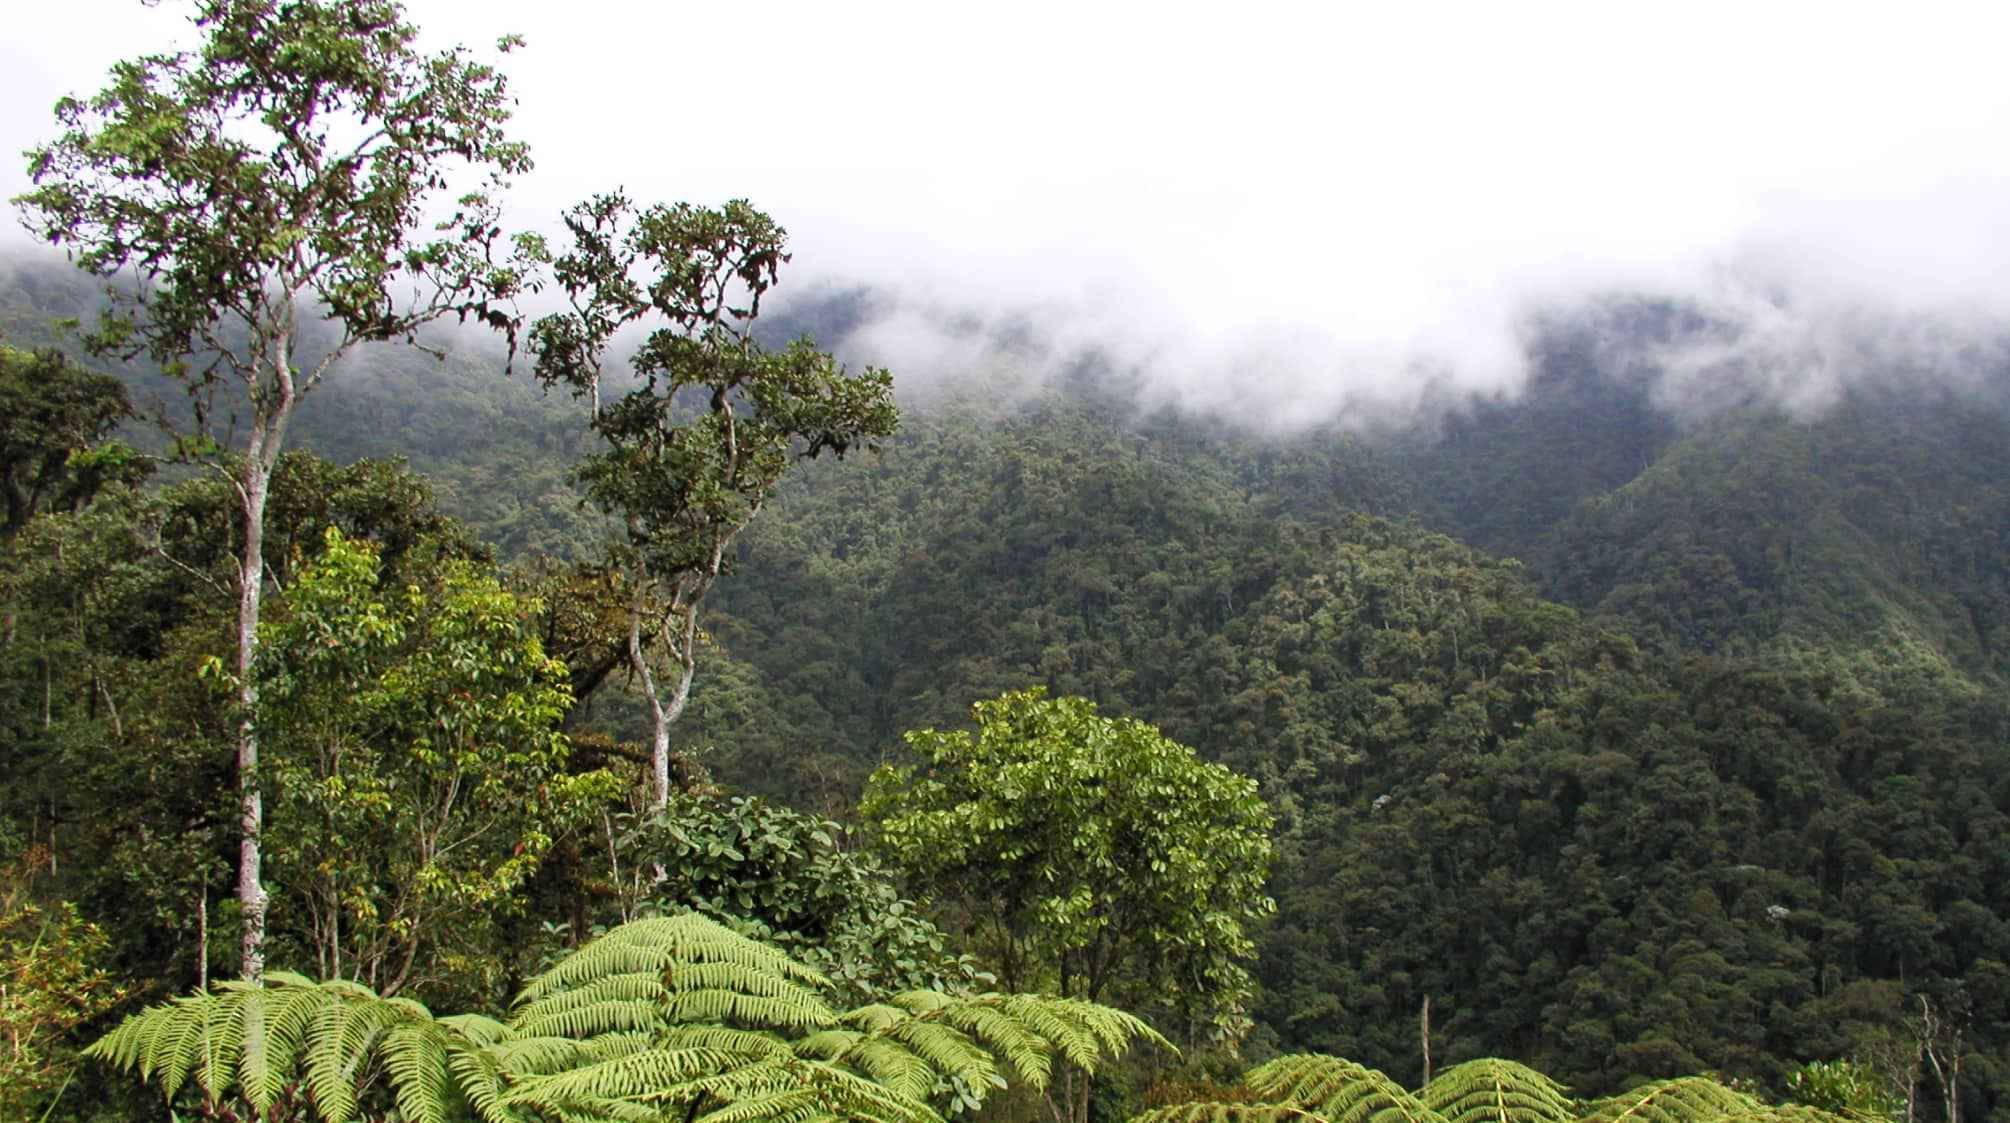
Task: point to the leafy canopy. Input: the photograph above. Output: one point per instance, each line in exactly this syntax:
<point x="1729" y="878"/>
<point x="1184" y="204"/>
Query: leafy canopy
<point x="294" y="154"/>
<point x="792" y="877"/>
<point x="1088" y="851"/>
<point x="416" y="760"/>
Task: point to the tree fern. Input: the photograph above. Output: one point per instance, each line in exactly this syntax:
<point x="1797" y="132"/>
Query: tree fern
<point x="1491" y="1090"/>
<point x="674" y="1015"/>
<point x="1697" y="1099"/>
<point x="1337" y="1090"/>
<point x="338" y="1035"/>
<point x="1324" y="1089"/>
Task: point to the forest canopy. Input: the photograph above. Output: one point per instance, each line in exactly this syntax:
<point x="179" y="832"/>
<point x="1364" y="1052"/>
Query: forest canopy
<point x="699" y="772"/>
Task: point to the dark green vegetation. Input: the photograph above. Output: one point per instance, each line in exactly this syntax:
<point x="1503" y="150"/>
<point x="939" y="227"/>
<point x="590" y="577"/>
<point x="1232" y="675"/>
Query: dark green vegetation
<point x="1712" y="780"/>
<point x="672" y="1017"/>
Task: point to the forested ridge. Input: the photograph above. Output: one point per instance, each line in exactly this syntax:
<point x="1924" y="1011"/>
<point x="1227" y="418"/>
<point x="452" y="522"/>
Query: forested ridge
<point x="1712" y="779"/>
<point x="455" y="673"/>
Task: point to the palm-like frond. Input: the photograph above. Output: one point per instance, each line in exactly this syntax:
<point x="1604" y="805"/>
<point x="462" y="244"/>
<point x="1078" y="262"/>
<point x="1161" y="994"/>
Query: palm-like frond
<point x="675" y="1014"/>
<point x="1492" y="1090"/>
<point x="1337" y="1090"/>
<point x="336" y="1034"/>
<point x="686" y="941"/>
<point x="1320" y="1089"/>
<point x="1697" y="1099"/>
<point x="1224" y="1111"/>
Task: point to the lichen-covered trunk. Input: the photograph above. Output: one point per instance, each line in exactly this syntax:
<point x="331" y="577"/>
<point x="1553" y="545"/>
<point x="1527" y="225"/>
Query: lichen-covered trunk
<point x="256" y="483"/>
<point x="271" y="408"/>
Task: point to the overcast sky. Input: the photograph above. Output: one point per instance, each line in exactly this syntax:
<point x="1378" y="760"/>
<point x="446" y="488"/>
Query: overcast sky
<point x="1277" y="208"/>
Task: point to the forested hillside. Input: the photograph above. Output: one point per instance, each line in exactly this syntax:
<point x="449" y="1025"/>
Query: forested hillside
<point x="1715" y="776"/>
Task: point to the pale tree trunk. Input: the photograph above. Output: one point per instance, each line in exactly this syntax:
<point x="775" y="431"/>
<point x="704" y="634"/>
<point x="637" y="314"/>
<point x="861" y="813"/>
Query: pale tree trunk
<point x="251" y="805"/>
<point x="677" y="631"/>
<point x="271" y="408"/>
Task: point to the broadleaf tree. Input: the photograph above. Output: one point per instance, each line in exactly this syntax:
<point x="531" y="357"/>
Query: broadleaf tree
<point x="297" y="165"/>
<point x="418" y="760"/>
<point x="698" y="440"/>
<point x="1089" y="853"/>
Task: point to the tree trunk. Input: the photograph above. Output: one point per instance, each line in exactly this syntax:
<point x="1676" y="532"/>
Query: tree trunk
<point x="271" y="408"/>
<point x="251" y="805"/>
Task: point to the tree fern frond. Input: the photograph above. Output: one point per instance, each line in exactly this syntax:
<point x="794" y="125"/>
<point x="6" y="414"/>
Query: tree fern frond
<point x="558" y="1017"/>
<point x="284" y="1009"/>
<point x="1029" y="1055"/>
<point x="727" y="1038"/>
<point x="896" y="1066"/>
<point x="653" y="1075"/>
<point x="827" y="1044"/>
<point x="922" y="1003"/>
<point x="839" y="1094"/>
<point x="337" y="1041"/>
<point x="1081" y="1031"/>
<point x="480" y="1077"/>
<point x="1785" y="1113"/>
<point x="656" y="944"/>
<point x="875" y="1017"/>
<point x="1691" y="1099"/>
<point x="782" y="1106"/>
<point x="796" y="1009"/>
<point x="1339" y="1090"/>
<point x="416" y="1057"/>
<point x="1492" y="1090"/>
<point x="1215" y="1111"/>
<point x="533" y="1056"/>
<point x="202" y="1028"/>
<point x="478" y="1028"/>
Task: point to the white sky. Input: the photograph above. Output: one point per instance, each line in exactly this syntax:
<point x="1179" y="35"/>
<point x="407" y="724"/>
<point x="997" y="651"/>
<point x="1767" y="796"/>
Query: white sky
<point x="1288" y="204"/>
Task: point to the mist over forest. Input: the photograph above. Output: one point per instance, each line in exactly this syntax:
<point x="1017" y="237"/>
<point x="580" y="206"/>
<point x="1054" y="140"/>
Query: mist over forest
<point x="1648" y="718"/>
<point x="1311" y="566"/>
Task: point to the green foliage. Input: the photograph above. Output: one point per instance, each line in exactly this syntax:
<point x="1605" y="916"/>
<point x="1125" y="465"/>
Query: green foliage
<point x="292" y="157"/>
<point x="670" y="1014"/>
<point x="1330" y="1089"/>
<point x="417" y="771"/>
<point x="54" y="423"/>
<point x="1847" y="1088"/>
<point x="790" y="876"/>
<point x="285" y="167"/>
<point x="1492" y="1090"/>
<point x="699" y="443"/>
<point x="52" y="980"/>
<point x="1087" y="851"/>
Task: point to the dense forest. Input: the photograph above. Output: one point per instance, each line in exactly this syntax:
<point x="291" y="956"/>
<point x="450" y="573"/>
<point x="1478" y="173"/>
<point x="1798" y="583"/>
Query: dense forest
<point x="725" y="733"/>
<point x="1711" y="779"/>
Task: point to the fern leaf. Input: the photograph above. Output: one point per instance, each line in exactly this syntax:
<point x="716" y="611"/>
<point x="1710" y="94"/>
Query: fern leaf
<point x="481" y="1079"/>
<point x="652" y="1076"/>
<point x="1691" y="1099"/>
<point x="340" y="1039"/>
<point x="1209" y="1111"/>
<point x="657" y="944"/>
<point x="1492" y="1090"/>
<point x="1338" y="1090"/>
<point x="416" y="1058"/>
<point x="281" y="1012"/>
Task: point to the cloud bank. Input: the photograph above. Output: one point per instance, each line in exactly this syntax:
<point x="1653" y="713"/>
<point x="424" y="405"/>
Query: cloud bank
<point x="1287" y="212"/>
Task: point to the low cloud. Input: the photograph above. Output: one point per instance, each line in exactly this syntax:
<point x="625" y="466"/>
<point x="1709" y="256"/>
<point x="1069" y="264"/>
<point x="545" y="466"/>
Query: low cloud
<point x="1289" y="214"/>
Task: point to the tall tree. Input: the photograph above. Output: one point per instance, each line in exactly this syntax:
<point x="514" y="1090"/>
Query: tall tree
<point x="287" y="168"/>
<point x="698" y="442"/>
